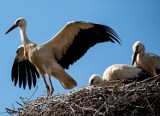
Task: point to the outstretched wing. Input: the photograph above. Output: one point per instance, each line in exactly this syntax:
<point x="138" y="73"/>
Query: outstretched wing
<point x="23" y="70"/>
<point x="73" y="41"/>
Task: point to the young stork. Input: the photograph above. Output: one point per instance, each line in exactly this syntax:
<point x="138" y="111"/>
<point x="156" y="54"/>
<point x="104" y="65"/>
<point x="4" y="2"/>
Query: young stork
<point x="23" y="70"/>
<point x="66" y="47"/>
<point x="117" y="72"/>
<point x="147" y="61"/>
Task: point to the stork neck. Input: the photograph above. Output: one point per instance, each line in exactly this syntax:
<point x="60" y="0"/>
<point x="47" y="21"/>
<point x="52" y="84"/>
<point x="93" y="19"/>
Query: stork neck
<point x="24" y="37"/>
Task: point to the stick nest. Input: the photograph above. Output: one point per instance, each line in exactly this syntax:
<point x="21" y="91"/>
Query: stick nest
<point x="133" y="98"/>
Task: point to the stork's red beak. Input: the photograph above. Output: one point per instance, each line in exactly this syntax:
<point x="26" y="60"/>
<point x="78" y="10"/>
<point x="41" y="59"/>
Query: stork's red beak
<point x="134" y="57"/>
<point x="11" y="28"/>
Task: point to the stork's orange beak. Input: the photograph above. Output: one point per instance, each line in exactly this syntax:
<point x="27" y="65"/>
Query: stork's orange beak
<point x="11" y="28"/>
<point x="134" y="57"/>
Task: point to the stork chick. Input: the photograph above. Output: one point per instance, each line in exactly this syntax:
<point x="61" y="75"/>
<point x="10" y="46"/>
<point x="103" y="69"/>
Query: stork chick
<point x="147" y="61"/>
<point x="117" y="72"/>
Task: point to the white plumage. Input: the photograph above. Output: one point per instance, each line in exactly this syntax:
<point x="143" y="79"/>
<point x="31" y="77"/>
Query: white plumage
<point x="66" y="47"/>
<point x="115" y="73"/>
<point x="147" y="61"/>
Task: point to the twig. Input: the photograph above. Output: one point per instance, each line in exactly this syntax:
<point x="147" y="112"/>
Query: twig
<point x="153" y="114"/>
<point x="72" y="110"/>
<point x="19" y="104"/>
<point x="10" y="111"/>
<point x="33" y="93"/>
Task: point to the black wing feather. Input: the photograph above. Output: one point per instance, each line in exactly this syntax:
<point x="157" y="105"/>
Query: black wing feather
<point x="33" y="72"/>
<point x="24" y="79"/>
<point x="33" y="69"/>
<point x="29" y="78"/>
<point x="14" y="73"/>
<point x="21" y="75"/>
<point x="33" y="75"/>
<point x="85" y="39"/>
<point x="24" y="71"/>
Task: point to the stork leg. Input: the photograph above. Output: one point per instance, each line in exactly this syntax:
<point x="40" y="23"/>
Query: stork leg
<point x="51" y="86"/>
<point x="47" y="86"/>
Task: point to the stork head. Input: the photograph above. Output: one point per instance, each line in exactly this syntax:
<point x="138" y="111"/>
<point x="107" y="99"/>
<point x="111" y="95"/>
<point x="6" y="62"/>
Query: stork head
<point x="95" y="79"/>
<point x="138" y="47"/>
<point x="20" y="22"/>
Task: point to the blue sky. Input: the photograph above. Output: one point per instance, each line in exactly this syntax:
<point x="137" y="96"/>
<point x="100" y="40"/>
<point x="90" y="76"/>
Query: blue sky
<point x="133" y="20"/>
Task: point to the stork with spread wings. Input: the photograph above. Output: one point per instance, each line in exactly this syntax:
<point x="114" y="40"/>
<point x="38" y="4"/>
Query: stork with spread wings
<point x="65" y="48"/>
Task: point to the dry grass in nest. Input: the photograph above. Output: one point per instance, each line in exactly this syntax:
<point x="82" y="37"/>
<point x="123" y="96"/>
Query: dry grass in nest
<point x="134" y="98"/>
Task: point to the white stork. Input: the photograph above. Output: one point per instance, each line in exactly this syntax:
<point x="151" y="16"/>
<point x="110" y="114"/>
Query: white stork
<point x="66" y="47"/>
<point x="147" y="61"/>
<point x="23" y="70"/>
<point x="117" y="72"/>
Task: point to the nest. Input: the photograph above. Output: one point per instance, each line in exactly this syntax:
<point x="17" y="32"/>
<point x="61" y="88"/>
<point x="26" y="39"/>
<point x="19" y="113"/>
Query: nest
<point x="125" y="98"/>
